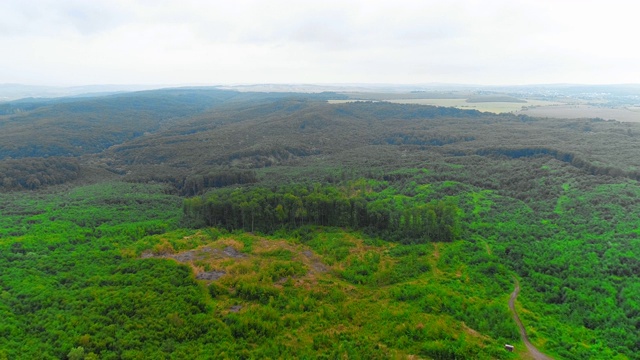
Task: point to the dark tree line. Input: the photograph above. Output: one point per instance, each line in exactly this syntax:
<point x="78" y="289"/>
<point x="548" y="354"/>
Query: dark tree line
<point x="185" y="184"/>
<point x="568" y="157"/>
<point x="33" y="173"/>
<point x="197" y="184"/>
<point x="266" y="210"/>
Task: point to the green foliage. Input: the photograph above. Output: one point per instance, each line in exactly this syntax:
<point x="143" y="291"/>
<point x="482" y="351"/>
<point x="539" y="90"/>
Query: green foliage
<point x="256" y="292"/>
<point x="334" y="246"/>
<point x="576" y="261"/>
<point x="408" y="267"/>
<point x="279" y="270"/>
<point x="282" y="254"/>
<point x="216" y="289"/>
<point x="76" y="353"/>
<point x="362" y="270"/>
<point x="73" y="281"/>
<point x="63" y="277"/>
<point x="468" y="200"/>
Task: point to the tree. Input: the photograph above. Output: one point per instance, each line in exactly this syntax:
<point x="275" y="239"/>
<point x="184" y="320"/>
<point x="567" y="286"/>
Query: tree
<point x="76" y="353"/>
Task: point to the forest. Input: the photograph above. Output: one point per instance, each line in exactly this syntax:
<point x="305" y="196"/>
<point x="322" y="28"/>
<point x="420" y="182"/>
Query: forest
<point x="207" y="223"/>
<point x="393" y="216"/>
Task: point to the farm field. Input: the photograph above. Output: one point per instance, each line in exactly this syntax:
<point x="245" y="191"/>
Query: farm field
<point x="497" y="107"/>
<point x="583" y="111"/>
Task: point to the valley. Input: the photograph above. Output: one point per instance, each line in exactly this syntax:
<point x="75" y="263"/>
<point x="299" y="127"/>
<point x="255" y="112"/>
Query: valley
<point x="213" y="223"/>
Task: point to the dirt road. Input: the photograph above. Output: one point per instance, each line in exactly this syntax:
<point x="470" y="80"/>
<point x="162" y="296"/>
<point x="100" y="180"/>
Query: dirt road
<point x="535" y="353"/>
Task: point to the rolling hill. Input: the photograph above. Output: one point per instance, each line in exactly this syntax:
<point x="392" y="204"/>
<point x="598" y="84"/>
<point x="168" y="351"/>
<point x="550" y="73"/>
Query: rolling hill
<point x="199" y="222"/>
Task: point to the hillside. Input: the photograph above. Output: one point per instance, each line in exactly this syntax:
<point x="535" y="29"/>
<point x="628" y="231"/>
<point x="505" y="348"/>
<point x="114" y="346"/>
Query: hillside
<point x="218" y="224"/>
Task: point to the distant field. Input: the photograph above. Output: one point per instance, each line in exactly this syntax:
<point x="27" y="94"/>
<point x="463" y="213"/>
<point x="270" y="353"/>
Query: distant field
<point x="584" y="111"/>
<point x="412" y="95"/>
<point x="488" y="106"/>
<point x="494" y="98"/>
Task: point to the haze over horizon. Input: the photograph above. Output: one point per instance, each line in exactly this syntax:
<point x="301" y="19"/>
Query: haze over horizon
<point x="72" y="43"/>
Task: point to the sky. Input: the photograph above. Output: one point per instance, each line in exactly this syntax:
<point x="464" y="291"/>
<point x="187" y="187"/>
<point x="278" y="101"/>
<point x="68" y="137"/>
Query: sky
<point x="484" y="42"/>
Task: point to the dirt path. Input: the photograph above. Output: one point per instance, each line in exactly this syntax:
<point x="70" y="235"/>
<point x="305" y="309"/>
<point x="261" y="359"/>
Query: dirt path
<point x="535" y="353"/>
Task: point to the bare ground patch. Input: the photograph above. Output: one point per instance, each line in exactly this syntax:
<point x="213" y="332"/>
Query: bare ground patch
<point x="225" y="257"/>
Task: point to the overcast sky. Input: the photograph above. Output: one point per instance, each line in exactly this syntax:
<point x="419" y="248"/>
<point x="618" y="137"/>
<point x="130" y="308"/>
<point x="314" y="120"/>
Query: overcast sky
<point x="80" y="42"/>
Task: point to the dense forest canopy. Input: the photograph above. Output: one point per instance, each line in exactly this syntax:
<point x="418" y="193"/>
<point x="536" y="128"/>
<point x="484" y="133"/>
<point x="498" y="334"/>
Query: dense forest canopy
<point x="207" y="223"/>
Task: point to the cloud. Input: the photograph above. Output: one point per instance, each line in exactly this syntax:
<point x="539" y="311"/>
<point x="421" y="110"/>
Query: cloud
<point x="57" y="17"/>
<point x="186" y="41"/>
